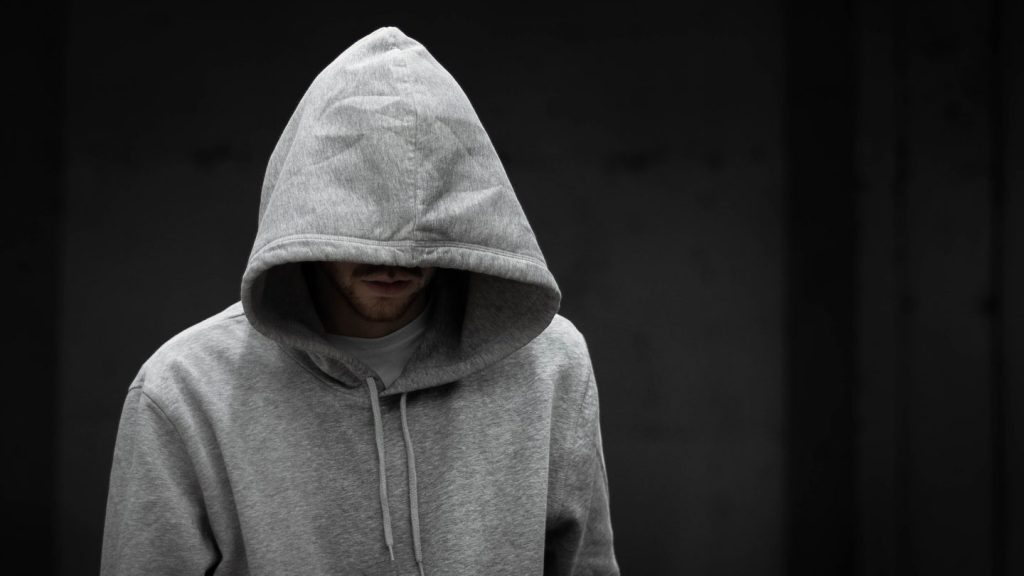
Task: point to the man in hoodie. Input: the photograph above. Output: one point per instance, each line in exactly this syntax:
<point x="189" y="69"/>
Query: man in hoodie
<point x="395" y="392"/>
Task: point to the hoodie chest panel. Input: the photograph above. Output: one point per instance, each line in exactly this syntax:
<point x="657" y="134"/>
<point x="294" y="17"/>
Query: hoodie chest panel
<point x="482" y="453"/>
<point x="303" y="470"/>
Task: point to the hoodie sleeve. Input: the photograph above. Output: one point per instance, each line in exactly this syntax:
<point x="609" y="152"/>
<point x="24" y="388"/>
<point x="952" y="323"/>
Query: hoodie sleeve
<point x="579" y="533"/>
<point x="156" y="521"/>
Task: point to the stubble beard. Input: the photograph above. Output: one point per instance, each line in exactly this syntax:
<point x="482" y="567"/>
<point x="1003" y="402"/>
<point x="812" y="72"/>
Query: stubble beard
<point x="376" y="309"/>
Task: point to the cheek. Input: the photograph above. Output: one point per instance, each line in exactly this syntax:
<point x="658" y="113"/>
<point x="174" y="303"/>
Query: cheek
<point x="338" y="279"/>
<point x="341" y="275"/>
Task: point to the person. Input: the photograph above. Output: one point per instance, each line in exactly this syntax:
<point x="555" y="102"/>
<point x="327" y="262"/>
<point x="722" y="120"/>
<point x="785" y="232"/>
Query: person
<point x="395" y="392"/>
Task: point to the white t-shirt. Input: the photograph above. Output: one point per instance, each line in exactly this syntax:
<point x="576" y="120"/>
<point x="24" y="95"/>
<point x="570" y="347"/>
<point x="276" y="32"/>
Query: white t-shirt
<point x="388" y="354"/>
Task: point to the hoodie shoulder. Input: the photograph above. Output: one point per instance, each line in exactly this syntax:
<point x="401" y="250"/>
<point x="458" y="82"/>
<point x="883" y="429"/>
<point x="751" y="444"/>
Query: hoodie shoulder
<point x="562" y="344"/>
<point x="194" y="350"/>
<point x="562" y="330"/>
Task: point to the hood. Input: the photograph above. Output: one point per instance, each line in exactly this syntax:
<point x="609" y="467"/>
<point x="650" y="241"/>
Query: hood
<point x="385" y="161"/>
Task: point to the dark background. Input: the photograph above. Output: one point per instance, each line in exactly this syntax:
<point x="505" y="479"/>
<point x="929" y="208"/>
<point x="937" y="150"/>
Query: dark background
<point x="790" y="230"/>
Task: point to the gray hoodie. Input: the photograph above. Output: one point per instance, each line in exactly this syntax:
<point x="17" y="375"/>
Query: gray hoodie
<point x="248" y="444"/>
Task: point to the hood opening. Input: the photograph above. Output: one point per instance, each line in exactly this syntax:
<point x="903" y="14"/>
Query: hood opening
<point x="476" y="320"/>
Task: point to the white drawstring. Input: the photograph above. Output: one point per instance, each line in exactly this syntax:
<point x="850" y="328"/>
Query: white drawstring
<point x="382" y="463"/>
<point x="414" y="507"/>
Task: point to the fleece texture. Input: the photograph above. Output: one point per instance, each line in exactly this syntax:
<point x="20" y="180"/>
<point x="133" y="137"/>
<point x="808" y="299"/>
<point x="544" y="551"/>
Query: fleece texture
<point x="249" y="444"/>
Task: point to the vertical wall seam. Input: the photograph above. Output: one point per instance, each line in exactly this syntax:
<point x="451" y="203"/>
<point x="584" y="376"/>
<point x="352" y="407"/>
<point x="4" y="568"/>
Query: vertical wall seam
<point x="997" y="133"/>
<point x="903" y="557"/>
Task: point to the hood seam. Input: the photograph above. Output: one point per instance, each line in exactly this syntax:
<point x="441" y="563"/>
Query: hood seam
<point x="416" y="173"/>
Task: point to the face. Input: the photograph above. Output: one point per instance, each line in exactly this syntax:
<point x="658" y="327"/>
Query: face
<point x="378" y="293"/>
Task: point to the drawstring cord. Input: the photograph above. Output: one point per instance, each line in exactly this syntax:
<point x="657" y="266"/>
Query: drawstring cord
<point x="379" y="431"/>
<point x="414" y="505"/>
<point x="414" y="512"/>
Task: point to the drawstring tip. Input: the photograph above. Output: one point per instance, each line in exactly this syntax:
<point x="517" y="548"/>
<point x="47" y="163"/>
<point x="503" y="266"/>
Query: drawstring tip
<point x="391" y="552"/>
<point x="420" y="564"/>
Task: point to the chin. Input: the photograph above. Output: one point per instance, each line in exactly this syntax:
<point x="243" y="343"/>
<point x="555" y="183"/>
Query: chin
<point x="382" y="309"/>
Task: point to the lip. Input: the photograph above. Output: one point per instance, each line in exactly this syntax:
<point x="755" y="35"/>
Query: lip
<point x="384" y="278"/>
<point x="388" y="287"/>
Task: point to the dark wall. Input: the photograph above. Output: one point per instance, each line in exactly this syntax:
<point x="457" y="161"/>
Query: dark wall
<point x="822" y="376"/>
<point x="30" y="251"/>
<point x="940" y="445"/>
